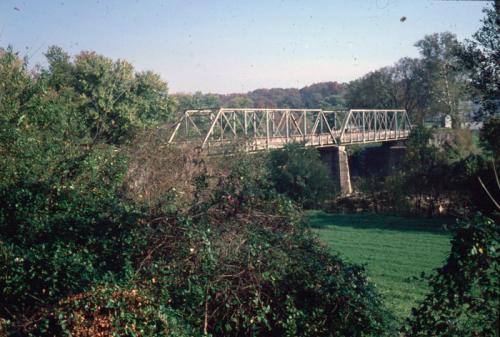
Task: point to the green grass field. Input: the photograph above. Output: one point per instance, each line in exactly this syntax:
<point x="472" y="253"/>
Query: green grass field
<point x="395" y="251"/>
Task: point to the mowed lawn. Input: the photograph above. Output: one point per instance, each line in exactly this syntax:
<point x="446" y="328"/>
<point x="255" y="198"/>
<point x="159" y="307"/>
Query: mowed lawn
<point x="395" y="250"/>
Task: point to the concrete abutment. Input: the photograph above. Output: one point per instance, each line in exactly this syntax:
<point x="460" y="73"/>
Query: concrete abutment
<point x="336" y="158"/>
<point x="384" y="159"/>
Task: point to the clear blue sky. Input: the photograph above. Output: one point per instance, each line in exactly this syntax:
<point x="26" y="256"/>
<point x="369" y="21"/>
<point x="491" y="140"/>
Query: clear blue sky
<point x="233" y="45"/>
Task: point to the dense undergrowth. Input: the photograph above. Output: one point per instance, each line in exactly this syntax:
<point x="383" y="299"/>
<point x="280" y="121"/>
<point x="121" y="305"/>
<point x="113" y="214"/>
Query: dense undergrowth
<point x="104" y="230"/>
<point x="234" y="261"/>
<point x="464" y="299"/>
<point x="436" y="174"/>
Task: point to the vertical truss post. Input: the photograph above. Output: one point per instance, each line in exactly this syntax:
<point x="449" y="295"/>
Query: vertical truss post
<point x="287" y="126"/>
<point x="345" y="123"/>
<point x="396" y="123"/>
<point x="364" y="125"/>
<point x="245" y="122"/>
<point x="386" y="126"/>
<point x="234" y="125"/>
<point x="320" y="116"/>
<point x="305" y="126"/>
<point x="254" y="114"/>
<point x="254" y="122"/>
<point x="275" y="124"/>
<point x="221" y="127"/>
<point x="267" y="129"/>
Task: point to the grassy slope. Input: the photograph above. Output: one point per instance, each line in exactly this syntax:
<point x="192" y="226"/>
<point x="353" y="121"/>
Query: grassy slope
<point x="395" y="250"/>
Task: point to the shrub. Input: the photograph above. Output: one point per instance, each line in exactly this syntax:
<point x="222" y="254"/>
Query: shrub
<point x="242" y="264"/>
<point x="465" y="292"/>
<point x="63" y="234"/>
<point x="109" y="311"/>
<point x="254" y="274"/>
<point x="299" y="173"/>
<point x="490" y="137"/>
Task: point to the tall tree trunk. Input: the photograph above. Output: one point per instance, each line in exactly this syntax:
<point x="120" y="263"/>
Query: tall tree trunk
<point x="455" y="123"/>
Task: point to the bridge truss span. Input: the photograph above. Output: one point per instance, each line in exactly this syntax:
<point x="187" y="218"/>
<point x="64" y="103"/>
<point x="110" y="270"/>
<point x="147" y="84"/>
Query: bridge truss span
<point x="371" y="126"/>
<point x="253" y="130"/>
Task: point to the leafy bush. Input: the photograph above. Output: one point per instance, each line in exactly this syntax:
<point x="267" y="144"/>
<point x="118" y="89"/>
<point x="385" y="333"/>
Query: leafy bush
<point x="299" y="173"/>
<point x="465" y="292"/>
<point x="438" y="175"/>
<point x="490" y="136"/>
<point x="113" y="100"/>
<point x="63" y="225"/>
<point x="251" y="273"/>
<point x="63" y="235"/>
<point x="242" y="264"/>
<point x="109" y="311"/>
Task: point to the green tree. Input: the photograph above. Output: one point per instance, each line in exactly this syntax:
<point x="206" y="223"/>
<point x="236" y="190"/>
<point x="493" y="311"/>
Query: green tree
<point x="111" y="97"/>
<point x="400" y="86"/>
<point x="37" y="125"/>
<point x="239" y="101"/>
<point x="372" y="91"/>
<point x="409" y="88"/>
<point x="465" y="292"/>
<point x="59" y="208"/>
<point x="445" y="83"/>
<point x="299" y="173"/>
<point x="60" y="68"/>
<point x="424" y="170"/>
<point x="276" y="98"/>
<point x="325" y="94"/>
<point x="198" y="100"/>
<point x="490" y="136"/>
<point x="332" y="102"/>
<point x="106" y="90"/>
<point x="479" y="57"/>
<point x="151" y="99"/>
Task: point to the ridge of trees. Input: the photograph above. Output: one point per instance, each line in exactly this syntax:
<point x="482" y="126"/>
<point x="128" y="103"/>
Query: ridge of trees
<point x="326" y="95"/>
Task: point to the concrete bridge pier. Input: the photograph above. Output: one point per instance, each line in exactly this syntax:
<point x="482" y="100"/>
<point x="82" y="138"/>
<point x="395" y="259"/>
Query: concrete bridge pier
<point x="336" y="158"/>
<point x="396" y="153"/>
<point x="343" y="169"/>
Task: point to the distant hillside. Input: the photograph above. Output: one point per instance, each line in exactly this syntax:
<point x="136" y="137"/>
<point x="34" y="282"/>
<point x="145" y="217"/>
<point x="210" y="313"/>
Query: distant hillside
<point x="326" y="95"/>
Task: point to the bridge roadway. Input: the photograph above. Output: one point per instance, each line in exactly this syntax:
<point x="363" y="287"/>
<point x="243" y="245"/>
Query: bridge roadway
<point x="319" y="141"/>
<point x="228" y="130"/>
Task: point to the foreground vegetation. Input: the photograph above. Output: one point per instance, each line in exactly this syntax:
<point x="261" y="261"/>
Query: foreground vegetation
<point x="105" y="230"/>
<point x="395" y="251"/>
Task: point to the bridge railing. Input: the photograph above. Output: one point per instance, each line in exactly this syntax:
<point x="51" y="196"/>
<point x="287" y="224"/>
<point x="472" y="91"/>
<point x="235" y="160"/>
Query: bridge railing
<point x="261" y="129"/>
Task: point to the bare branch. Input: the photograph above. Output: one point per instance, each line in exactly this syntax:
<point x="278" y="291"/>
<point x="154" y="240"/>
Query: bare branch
<point x="496" y="174"/>
<point x="488" y="193"/>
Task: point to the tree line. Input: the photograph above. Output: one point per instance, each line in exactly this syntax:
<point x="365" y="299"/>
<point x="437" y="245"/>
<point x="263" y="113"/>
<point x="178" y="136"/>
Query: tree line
<point x="327" y="95"/>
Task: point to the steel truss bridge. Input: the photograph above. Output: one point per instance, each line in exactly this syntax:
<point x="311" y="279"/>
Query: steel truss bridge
<point x="226" y="130"/>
